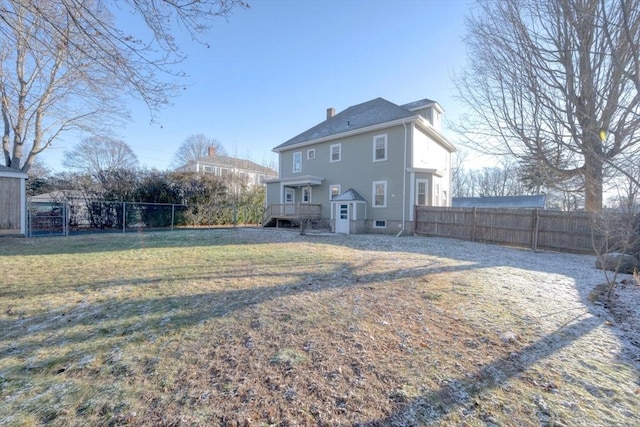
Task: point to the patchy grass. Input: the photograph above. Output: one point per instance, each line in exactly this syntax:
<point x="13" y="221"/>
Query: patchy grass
<point x="230" y="327"/>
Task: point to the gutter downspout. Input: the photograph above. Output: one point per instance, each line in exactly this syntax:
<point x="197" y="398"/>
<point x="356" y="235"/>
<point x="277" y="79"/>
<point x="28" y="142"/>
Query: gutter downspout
<point x="404" y="183"/>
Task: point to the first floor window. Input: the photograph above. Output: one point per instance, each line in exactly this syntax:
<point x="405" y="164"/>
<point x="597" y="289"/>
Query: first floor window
<point x="380" y="194"/>
<point x="306" y="195"/>
<point x="421" y="192"/>
<point x="297" y="162"/>
<point x="334" y="191"/>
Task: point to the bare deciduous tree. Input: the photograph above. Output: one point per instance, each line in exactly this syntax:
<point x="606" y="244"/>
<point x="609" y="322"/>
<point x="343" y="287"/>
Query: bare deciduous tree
<point x="96" y="155"/>
<point x="546" y="77"/>
<point x="65" y="64"/>
<point x="195" y="147"/>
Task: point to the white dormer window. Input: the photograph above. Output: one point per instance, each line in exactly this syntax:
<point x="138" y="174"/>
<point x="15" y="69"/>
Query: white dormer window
<point x="297" y="162"/>
<point x="336" y="152"/>
<point x="379" y="148"/>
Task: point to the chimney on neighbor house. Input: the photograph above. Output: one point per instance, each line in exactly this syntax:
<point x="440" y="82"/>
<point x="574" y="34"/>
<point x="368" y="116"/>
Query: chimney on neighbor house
<point x="331" y="112"/>
<point x="212" y="151"/>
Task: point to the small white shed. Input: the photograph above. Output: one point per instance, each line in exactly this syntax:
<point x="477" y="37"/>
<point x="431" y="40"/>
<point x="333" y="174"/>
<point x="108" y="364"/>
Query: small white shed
<point x="13" y="202"/>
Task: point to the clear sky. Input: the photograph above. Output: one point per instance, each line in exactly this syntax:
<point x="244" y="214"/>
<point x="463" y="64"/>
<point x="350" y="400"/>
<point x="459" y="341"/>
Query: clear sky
<point x="271" y="72"/>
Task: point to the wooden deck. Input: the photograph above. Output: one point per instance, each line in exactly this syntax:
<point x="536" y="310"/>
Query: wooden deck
<point x="289" y="212"/>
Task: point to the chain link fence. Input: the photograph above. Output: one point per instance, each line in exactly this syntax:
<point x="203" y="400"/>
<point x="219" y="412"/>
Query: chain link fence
<point x="63" y="218"/>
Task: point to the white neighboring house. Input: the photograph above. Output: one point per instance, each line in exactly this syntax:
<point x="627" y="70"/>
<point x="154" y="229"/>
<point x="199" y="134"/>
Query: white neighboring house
<point x="13" y="202"/>
<point x="222" y="166"/>
<point x="364" y="169"/>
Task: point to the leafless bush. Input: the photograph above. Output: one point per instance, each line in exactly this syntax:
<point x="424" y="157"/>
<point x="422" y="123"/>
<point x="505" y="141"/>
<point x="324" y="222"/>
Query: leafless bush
<point x="617" y="244"/>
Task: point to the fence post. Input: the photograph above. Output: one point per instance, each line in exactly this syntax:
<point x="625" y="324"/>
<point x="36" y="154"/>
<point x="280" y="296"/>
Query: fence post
<point x="124" y="217"/>
<point x="536" y="226"/>
<point x="474" y="225"/>
<point x="173" y="214"/>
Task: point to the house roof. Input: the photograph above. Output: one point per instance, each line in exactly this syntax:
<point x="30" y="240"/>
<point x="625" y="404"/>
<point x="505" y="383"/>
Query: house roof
<point x="368" y="113"/>
<point x="350" y="195"/>
<point x="416" y="105"/>
<point x="6" y="171"/>
<point x="537" y="201"/>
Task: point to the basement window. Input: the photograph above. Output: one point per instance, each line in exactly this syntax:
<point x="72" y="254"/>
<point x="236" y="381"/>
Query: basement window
<point x="379" y="224"/>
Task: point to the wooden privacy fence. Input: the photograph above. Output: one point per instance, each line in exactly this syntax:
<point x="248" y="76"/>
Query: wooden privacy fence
<point x="537" y="229"/>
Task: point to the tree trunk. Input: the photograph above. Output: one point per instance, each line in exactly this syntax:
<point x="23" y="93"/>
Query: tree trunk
<point x="593" y="176"/>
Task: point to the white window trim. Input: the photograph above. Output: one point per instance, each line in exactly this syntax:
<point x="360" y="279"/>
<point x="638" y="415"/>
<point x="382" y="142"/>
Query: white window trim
<point x="331" y="192"/>
<point x="375" y="138"/>
<point x="375" y="223"/>
<point x="331" y="160"/>
<point x="373" y="203"/>
<point x="297" y="153"/>
<point x="311" y="154"/>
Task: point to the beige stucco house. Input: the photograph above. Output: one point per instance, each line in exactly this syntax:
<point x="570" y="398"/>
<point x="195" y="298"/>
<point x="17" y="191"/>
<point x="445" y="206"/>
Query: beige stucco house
<point x="364" y="169"/>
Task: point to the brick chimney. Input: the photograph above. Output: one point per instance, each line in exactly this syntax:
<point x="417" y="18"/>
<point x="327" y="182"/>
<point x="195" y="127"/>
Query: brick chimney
<point x="212" y="151"/>
<point x="331" y="112"/>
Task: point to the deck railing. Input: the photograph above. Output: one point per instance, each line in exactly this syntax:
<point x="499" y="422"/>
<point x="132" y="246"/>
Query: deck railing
<point x="291" y="211"/>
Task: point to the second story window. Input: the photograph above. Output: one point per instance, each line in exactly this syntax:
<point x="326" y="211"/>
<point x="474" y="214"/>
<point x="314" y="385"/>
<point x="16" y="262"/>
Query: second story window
<point x="297" y="162"/>
<point x="336" y="152"/>
<point x="379" y="148"/>
<point x="311" y="154"/>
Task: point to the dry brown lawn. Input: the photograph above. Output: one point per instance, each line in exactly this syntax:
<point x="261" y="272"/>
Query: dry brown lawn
<point x="271" y="328"/>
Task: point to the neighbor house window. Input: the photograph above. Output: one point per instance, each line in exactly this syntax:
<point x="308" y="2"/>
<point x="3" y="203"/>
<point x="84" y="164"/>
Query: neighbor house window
<point x="297" y="162"/>
<point x="311" y="154"/>
<point x="379" y="148"/>
<point x="334" y="191"/>
<point x="380" y="194"/>
<point x="445" y="199"/>
<point x="379" y="224"/>
<point x="436" y="194"/>
<point x="336" y="154"/>
<point x="421" y="192"/>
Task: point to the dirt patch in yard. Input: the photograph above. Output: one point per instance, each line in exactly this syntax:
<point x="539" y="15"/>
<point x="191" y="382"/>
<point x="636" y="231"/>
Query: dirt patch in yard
<point x="263" y="327"/>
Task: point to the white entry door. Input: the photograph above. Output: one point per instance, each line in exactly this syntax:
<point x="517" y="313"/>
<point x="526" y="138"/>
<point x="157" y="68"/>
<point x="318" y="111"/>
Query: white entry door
<point x="342" y="218"/>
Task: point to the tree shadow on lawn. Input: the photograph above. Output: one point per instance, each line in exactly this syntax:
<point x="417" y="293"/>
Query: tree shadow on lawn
<point x="90" y="323"/>
<point x="89" y="318"/>
<point x="460" y="393"/>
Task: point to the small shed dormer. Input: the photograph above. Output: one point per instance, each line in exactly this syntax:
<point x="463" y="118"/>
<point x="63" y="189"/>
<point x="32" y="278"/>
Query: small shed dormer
<point x="430" y="110"/>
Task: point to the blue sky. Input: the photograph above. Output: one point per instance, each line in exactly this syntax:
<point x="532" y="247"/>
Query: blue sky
<point x="271" y="72"/>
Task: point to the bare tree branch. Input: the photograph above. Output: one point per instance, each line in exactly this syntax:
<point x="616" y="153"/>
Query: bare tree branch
<point x="545" y="77"/>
